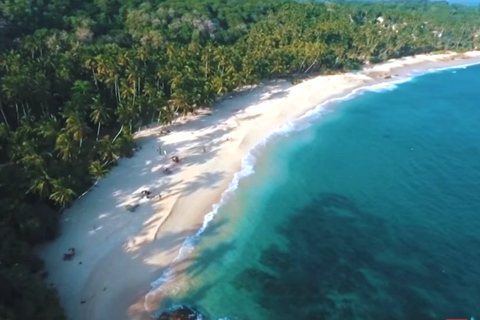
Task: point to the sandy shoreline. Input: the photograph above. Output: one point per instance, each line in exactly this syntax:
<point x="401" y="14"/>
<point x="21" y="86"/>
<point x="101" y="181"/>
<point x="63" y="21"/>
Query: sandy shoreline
<point x="119" y="253"/>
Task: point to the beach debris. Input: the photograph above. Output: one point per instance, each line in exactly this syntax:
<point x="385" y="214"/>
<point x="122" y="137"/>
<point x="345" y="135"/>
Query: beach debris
<point x="181" y="313"/>
<point x="167" y="170"/>
<point x="69" y="255"/>
<point x="131" y="207"/>
<point x="164" y="131"/>
<point x="145" y="193"/>
<point x="176" y="159"/>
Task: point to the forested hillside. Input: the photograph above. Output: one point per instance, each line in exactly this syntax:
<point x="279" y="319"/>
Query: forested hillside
<point x="77" y="78"/>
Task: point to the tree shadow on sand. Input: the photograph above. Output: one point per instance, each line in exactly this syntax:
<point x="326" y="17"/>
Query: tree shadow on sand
<point x="197" y="149"/>
<point x="227" y="107"/>
<point x="204" y="180"/>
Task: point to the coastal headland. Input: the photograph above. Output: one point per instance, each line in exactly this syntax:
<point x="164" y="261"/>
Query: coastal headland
<point x="120" y="252"/>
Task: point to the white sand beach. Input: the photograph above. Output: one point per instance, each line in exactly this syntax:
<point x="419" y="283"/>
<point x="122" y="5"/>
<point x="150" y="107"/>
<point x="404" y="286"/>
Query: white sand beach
<point x="118" y="252"/>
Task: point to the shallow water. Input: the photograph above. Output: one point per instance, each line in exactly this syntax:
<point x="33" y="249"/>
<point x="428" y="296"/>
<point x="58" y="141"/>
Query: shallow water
<point x="372" y="212"/>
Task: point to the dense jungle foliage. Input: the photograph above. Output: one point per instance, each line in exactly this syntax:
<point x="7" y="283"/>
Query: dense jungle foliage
<point x="78" y="77"/>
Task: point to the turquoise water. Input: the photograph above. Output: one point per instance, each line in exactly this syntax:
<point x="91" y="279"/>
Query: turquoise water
<point x="372" y="212"/>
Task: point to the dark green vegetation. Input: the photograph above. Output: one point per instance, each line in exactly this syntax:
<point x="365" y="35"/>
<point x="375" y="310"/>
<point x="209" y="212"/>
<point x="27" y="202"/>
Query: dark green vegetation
<point x="77" y="78"/>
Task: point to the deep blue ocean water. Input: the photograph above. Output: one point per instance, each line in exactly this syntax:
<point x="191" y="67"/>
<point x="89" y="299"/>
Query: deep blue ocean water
<point x="372" y="212"/>
<point x="461" y="2"/>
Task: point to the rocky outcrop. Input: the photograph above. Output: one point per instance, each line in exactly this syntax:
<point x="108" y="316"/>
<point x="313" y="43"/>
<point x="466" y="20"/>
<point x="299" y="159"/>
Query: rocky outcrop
<point x="181" y="313"/>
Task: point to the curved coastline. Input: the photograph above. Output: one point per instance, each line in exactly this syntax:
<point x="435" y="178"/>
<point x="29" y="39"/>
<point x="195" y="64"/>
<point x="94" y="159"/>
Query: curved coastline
<point x="248" y="162"/>
<point x="136" y="254"/>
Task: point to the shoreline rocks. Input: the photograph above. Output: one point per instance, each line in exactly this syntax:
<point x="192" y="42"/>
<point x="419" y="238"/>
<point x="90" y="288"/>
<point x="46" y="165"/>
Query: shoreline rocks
<point x="181" y="313"/>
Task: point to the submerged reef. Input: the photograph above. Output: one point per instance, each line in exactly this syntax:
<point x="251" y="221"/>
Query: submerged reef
<point x="181" y="313"/>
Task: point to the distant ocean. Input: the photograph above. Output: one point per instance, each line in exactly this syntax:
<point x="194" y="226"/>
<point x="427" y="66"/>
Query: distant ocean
<point x="462" y="2"/>
<point x="367" y="209"/>
<point x="465" y="2"/>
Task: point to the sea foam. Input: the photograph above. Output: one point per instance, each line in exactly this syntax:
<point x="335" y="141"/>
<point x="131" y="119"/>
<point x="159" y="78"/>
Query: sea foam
<point x="461" y="66"/>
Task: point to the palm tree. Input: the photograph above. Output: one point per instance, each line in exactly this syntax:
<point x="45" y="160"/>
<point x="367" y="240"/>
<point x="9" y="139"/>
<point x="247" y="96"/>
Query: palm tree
<point x="166" y="114"/>
<point x="25" y="133"/>
<point x="76" y="127"/>
<point x="97" y="169"/>
<point x="89" y="63"/>
<point x="64" y="146"/>
<point x="126" y="114"/>
<point x="3" y="115"/>
<point x="31" y="43"/>
<point x="62" y="195"/>
<point x="100" y="114"/>
<point x="180" y="103"/>
<point x="31" y="158"/>
<point x="219" y="85"/>
<point x="41" y="184"/>
<point x="108" y="150"/>
<point x="11" y="86"/>
<point x="81" y="92"/>
<point x="48" y="127"/>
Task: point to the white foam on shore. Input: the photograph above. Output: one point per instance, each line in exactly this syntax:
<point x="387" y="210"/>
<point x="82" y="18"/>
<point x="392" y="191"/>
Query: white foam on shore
<point x="461" y="66"/>
<point x="248" y="163"/>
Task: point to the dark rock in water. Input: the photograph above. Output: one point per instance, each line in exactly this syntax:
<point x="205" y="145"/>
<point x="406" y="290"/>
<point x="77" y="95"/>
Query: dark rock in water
<point x="182" y="313"/>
